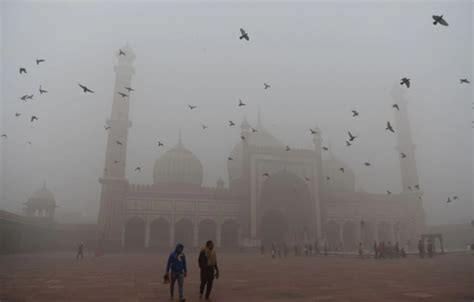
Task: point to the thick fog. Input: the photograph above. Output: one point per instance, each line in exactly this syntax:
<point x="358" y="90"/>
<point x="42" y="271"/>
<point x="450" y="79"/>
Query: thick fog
<point x="322" y="60"/>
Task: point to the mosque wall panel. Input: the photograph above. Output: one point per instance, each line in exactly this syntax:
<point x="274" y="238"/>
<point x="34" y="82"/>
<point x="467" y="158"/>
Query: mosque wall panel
<point x="184" y="206"/>
<point x="207" y="207"/>
<point x="161" y="205"/>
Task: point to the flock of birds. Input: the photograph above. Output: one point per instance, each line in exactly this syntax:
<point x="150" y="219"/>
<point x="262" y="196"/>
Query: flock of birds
<point x="405" y="81"/>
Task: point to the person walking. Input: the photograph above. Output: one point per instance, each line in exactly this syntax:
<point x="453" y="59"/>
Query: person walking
<point x="208" y="265"/>
<point x="421" y="249"/>
<point x="80" y="250"/>
<point x="177" y="267"/>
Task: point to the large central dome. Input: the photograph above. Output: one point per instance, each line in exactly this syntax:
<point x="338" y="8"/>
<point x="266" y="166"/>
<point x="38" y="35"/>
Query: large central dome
<point x="178" y="166"/>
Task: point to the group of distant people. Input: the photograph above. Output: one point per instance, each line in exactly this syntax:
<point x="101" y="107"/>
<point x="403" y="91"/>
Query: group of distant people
<point x="282" y="249"/>
<point x="387" y="250"/>
<point x="422" y="252"/>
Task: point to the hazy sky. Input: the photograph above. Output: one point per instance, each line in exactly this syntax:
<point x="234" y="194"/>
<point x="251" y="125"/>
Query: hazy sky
<point x="321" y="58"/>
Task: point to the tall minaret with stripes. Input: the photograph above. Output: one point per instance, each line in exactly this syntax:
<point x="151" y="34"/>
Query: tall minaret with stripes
<point x="114" y="182"/>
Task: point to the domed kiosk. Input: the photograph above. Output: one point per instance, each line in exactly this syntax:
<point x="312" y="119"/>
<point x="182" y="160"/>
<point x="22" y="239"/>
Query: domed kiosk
<point x="41" y="203"/>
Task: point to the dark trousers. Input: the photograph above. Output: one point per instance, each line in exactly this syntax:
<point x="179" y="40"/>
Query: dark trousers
<point x="207" y="278"/>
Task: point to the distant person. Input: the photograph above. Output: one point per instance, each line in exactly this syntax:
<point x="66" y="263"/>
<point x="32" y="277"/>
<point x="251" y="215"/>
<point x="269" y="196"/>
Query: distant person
<point x="80" y="250"/>
<point x="421" y="249"/>
<point x="285" y="249"/>
<point x="208" y="265"/>
<point x="262" y="249"/>
<point x="361" y="251"/>
<point x="177" y="266"/>
<point x="273" y="250"/>
<point x="376" y="250"/>
<point x="325" y="249"/>
<point x="430" y="249"/>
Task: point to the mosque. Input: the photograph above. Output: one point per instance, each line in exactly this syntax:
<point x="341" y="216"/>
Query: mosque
<point x="273" y="195"/>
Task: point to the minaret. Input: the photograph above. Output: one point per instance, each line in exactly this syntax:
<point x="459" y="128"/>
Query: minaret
<point x="409" y="174"/>
<point x="114" y="183"/>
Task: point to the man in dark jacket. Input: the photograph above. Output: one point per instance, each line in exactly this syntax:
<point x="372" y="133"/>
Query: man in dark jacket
<point x="177" y="266"/>
<point x="208" y="264"/>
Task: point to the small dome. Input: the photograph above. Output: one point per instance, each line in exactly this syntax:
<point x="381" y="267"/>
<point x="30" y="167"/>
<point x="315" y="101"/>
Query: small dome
<point x="43" y="196"/>
<point x="178" y="165"/>
<point x="41" y="203"/>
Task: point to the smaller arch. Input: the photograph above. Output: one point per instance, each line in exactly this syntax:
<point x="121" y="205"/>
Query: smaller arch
<point x="349" y="236"/>
<point x="207" y="231"/>
<point x="230" y="234"/>
<point x="331" y="230"/>
<point x="134" y="232"/>
<point x="184" y="231"/>
<point x="159" y="233"/>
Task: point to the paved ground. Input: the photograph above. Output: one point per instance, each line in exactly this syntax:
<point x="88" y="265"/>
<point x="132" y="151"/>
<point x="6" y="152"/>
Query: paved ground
<point x="137" y="278"/>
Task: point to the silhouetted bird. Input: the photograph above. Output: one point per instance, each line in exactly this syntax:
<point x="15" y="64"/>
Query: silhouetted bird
<point x="33" y="118"/>
<point x="440" y="20"/>
<point x="30" y="97"/>
<point x="22" y="70"/>
<point x="351" y="137"/>
<point x="396" y="107"/>
<point x="389" y="127"/>
<point x="254" y="130"/>
<point x="288" y="148"/>
<point x="313" y="131"/>
<point x="325" y="148"/>
<point x="116" y="161"/>
<point x="409" y="188"/>
<point x="17" y="114"/>
<point x="119" y="143"/>
<point x="348" y="144"/>
<point x="244" y="35"/>
<point x="231" y="124"/>
<point x="85" y="89"/>
<point x="307" y="178"/>
<point x="419" y="197"/>
<point x="129" y="89"/>
<point x="367" y="164"/>
<point x="106" y="127"/>
<point x="355" y="113"/>
<point x="138" y="169"/>
<point x="24" y="97"/>
<point x="4" y="136"/>
<point x="38" y="61"/>
<point x="266" y="174"/>
<point x="405" y="81"/>
<point x="121" y="53"/>
<point x="29" y="143"/>
<point x="266" y="86"/>
<point x="417" y="187"/>
<point x="328" y="178"/>
<point x="191" y="107"/>
<point x="465" y="81"/>
<point x="230" y="158"/>
<point x="388" y="192"/>
<point x="160" y="144"/>
<point x="449" y="200"/>
<point x="203" y="126"/>
<point x="241" y="103"/>
<point x="41" y="90"/>
<point x="403" y="155"/>
<point x="455" y="197"/>
<point x="242" y="137"/>
<point x="123" y="95"/>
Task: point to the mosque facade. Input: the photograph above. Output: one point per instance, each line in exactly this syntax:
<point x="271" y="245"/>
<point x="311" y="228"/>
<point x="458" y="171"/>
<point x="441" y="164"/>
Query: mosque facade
<point x="273" y="195"/>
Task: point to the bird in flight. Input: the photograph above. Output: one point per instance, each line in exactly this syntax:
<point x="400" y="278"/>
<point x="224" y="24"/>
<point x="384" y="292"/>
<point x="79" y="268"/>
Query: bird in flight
<point x="440" y="20"/>
<point x="288" y="148"/>
<point x="328" y="178"/>
<point x="367" y="164"/>
<point x="464" y="81"/>
<point x="123" y="95"/>
<point x="455" y="197"/>
<point x="417" y="187"/>
<point x="41" y="90"/>
<point x="160" y="144"/>
<point x="24" y="98"/>
<point x="230" y="158"/>
<point x="29" y="143"/>
<point x="388" y="192"/>
<point x="355" y="113"/>
<point x="33" y="118"/>
<point x="348" y="144"/>
<point x="266" y="174"/>
<point x="242" y="137"/>
<point x="231" y="124"/>
<point x="409" y="188"/>
<point x="396" y="107"/>
<point x="191" y="107"/>
<point x="254" y="130"/>
<point x="266" y="86"/>
<point x="244" y="35"/>
<point x="389" y="127"/>
<point x="405" y="81"/>
<point x="17" y="114"/>
<point x="4" y="136"/>
<point x="351" y="137"/>
<point x="138" y="169"/>
<point x="307" y="178"/>
<point x="241" y="103"/>
<point x="341" y="169"/>
<point x="313" y="131"/>
<point x="119" y="143"/>
<point x="403" y="155"/>
<point x="22" y="70"/>
<point x="129" y="89"/>
<point x="38" y="61"/>
<point x="30" y="97"/>
<point x="116" y="161"/>
<point x="106" y="127"/>
<point x="85" y="89"/>
<point x="203" y="126"/>
<point x="449" y="200"/>
<point x="325" y="148"/>
<point x="122" y="53"/>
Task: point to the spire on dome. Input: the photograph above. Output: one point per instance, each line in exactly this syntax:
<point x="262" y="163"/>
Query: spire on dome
<point x="245" y="124"/>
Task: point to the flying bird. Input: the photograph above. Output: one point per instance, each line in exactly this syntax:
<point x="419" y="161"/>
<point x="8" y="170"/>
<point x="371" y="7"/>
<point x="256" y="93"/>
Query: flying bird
<point x="30" y="97"/>
<point x="348" y="144"/>
<point x="160" y="144"/>
<point x="29" y="143"/>
<point x="38" y="61"/>
<point x="266" y="174"/>
<point x="106" y="127"/>
<point x="24" y="97"/>
<point x="242" y="137"/>
<point x="388" y="192"/>
<point x="4" y="136"/>
<point x="191" y="107"/>
<point x="85" y="89"/>
<point x="203" y="126"/>
<point x="288" y="148"/>
<point x="341" y="169"/>
<point x="440" y="20"/>
<point x="307" y="178"/>
<point x="403" y="155"/>
<point x="325" y="148"/>
<point x="33" y="118"/>
<point x="231" y="124"/>
<point x="116" y="161"/>
<point x="313" y="131"/>
<point x="254" y="130"/>
<point x="230" y="158"/>
<point x="328" y="178"/>
<point x="389" y="127"/>
<point x="129" y="89"/>
<point x="449" y="200"/>
<point x="123" y="95"/>
<point x="22" y="70"/>
<point x="119" y="143"/>
<point x="241" y="103"/>
<point x="417" y="187"/>
<point x="41" y="90"/>
<point x="122" y="53"/>
<point x="266" y="86"/>
<point x="465" y="81"/>
<point x="455" y="197"/>
<point x="351" y="137"/>
<point x="355" y="113"/>
<point x="138" y="169"/>
<point x="396" y="107"/>
<point x="409" y="188"/>
<point x="367" y="164"/>
<point x="17" y="114"/>
<point x="405" y="81"/>
<point x="244" y="35"/>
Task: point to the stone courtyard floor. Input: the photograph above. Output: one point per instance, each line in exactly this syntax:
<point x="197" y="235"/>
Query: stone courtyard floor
<point x="244" y="277"/>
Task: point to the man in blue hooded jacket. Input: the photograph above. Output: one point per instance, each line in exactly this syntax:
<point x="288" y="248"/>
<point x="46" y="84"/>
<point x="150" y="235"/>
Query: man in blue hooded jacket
<point x="177" y="267"/>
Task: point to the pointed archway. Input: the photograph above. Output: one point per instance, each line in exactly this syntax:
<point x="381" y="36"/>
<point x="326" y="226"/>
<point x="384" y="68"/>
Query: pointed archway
<point x="160" y="233"/>
<point x="135" y="233"/>
<point x="207" y="231"/>
<point x="184" y="231"/>
<point x="230" y="234"/>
